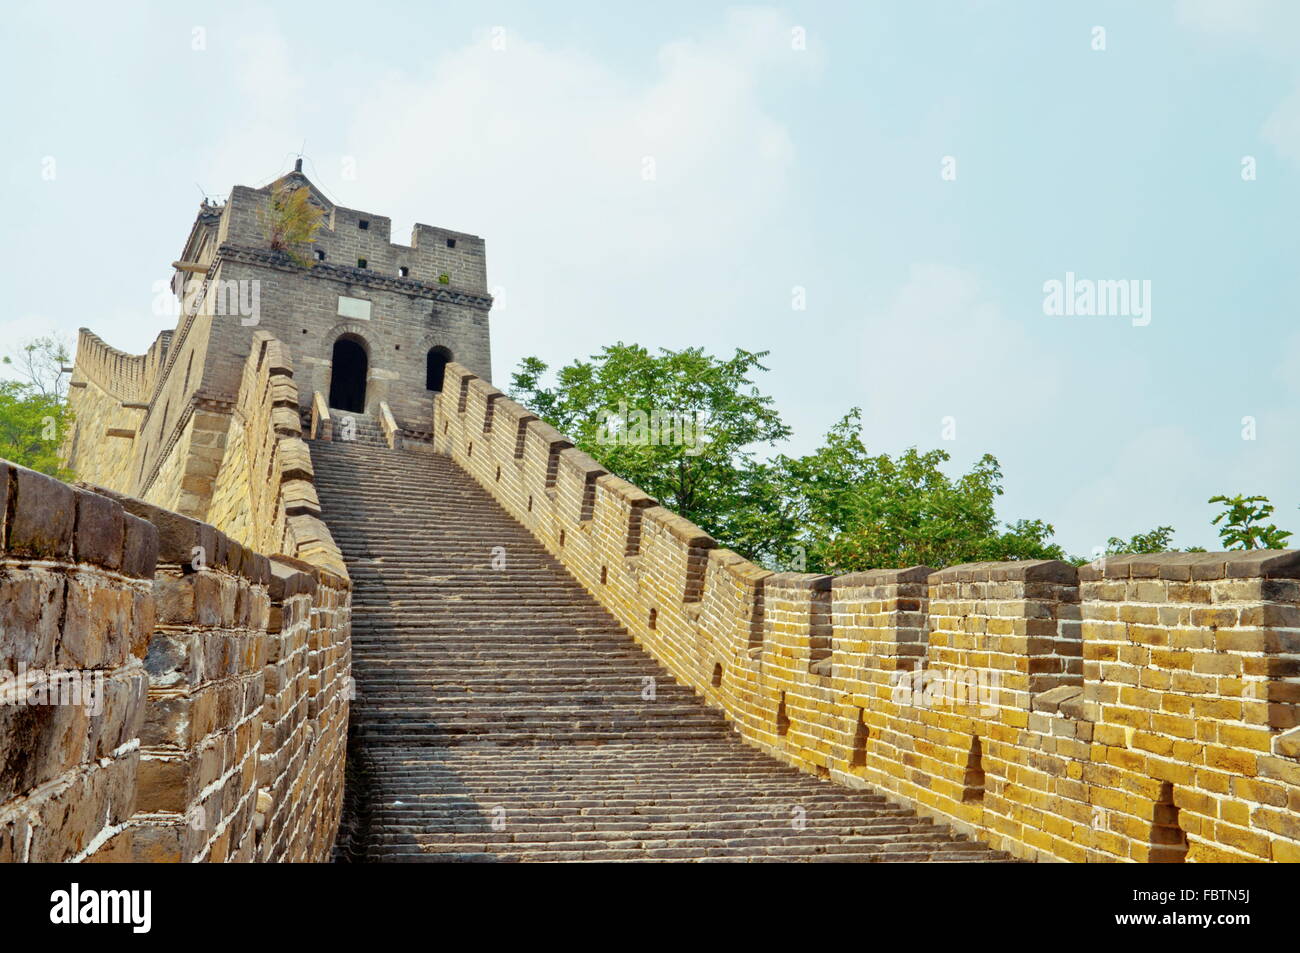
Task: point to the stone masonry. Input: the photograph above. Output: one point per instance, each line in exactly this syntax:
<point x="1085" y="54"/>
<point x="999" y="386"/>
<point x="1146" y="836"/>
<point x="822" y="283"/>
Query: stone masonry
<point x="211" y="722"/>
<point x="502" y="714"/>
<point x="1142" y="709"/>
<point x="155" y="425"/>
<point x="221" y="731"/>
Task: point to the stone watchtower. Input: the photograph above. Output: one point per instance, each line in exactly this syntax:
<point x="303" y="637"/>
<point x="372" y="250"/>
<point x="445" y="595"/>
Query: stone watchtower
<point x="365" y="320"/>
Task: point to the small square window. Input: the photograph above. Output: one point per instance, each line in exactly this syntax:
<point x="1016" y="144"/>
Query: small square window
<point x="403" y="271"/>
<point x="361" y="263"/>
<point x="451" y="243"/>
<point x="364" y="224"/>
<point x="320" y="255"/>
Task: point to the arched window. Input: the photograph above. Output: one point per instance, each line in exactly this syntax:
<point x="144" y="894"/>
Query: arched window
<point x="435" y="367"/>
<point x="348" y="376"/>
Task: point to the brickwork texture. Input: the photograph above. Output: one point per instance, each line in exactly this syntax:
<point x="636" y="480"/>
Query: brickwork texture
<point x="216" y="725"/>
<point x="1141" y="709"/>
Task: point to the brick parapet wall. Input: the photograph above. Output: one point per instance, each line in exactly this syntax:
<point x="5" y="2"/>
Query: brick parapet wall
<point x="305" y="712"/>
<point x="128" y="377"/>
<point x="198" y="779"/>
<point x="264" y="492"/>
<point x="1142" y="710"/>
<point x="180" y="621"/>
<point x="75" y="598"/>
<point x="1192" y="679"/>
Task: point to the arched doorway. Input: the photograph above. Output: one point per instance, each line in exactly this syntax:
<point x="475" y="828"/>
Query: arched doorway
<point x="348" y="376"/>
<point x="435" y="367"/>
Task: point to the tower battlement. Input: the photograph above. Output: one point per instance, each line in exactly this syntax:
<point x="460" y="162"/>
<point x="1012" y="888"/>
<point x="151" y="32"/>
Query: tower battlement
<point x="369" y="323"/>
<point x="435" y="256"/>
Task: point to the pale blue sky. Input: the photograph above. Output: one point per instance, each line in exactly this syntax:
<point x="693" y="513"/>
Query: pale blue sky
<point x="776" y="167"/>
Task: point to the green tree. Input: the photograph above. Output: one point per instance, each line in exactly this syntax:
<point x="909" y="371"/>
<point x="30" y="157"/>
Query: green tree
<point x="1243" y="526"/>
<point x="40" y="362"/>
<point x="857" y="510"/>
<point x="34" y="414"/>
<point x="1158" y="540"/>
<point x="837" y="509"/>
<point x="31" y="428"/>
<point x="682" y="425"/>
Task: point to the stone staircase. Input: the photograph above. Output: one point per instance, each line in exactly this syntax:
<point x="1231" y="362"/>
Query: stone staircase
<point x="354" y="428"/>
<point x="500" y="712"/>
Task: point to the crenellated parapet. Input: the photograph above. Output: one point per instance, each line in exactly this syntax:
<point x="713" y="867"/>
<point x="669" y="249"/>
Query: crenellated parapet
<point x="436" y="258"/>
<point x="108" y="396"/>
<point x="1013" y="625"/>
<point x="128" y="377"/>
<point x="261" y="476"/>
<point x="1192" y="680"/>
<point x="1141" y="709"/>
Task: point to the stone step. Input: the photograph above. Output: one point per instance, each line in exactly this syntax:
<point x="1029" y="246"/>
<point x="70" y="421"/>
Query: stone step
<point x="499" y="712"/>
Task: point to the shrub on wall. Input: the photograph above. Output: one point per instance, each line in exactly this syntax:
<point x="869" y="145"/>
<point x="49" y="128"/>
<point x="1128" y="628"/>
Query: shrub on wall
<point x="291" y="220"/>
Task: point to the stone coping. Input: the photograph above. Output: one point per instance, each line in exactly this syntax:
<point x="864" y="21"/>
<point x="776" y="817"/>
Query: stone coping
<point x="44" y="518"/>
<point x="1185" y="567"/>
<point x="883" y="577"/>
<point x="178" y="536"/>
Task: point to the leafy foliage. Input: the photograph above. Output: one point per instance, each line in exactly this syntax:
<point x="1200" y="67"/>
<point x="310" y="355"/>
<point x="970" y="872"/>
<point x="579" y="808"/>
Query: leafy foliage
<point x="34" y="414"/>
<point x="855" y="510"/>
<point x="711" y="479"/>
<point x="1158" y="540"/>
<point x="291" y="220"/>
<point x="1242" y="523"/>
<point x="838" y="509"/>
<point x="31" y="428"/>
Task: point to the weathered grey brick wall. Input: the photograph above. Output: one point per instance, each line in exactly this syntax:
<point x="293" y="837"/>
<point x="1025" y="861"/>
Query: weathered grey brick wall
<point x="300" y="307"/>
<point x="216" y="726"/>
<point x="76" y="605"/>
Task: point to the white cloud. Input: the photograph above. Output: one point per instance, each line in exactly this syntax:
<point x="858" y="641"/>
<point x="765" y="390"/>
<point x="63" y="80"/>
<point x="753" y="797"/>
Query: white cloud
<point x="268" y="75"/>
<point x="551" y="145"/>
<point x="944" y="348"/>
<point x="1269" y="27"/>
<point x="541" y="150"/>
<point x="1157" y="477"/>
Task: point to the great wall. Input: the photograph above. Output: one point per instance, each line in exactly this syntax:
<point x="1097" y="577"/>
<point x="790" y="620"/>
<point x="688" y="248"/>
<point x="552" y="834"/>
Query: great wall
<point x="285" y="527"/>
<point x="219" y="728"/>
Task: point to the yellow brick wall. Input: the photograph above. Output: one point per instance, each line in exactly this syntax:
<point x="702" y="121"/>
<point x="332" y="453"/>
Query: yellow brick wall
<point x="1059" y="714"/>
